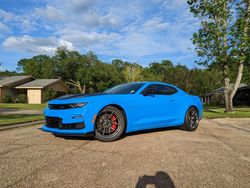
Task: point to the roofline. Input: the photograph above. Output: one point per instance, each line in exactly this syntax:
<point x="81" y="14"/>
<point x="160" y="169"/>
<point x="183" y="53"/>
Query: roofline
<point x="222" y="89"/>
<point x="37" y="87"/>
<point x="9" y="84"/>
<point x="29" y="87"/>
<point x="64" y="84"/>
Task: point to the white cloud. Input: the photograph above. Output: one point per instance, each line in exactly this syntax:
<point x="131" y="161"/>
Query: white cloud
<point x="6" y="16"/>
<point x="50" y="12"/>
<point x="24" y="23"/>
<point x="156" y="23"/>
<point x="35" y="45"/>
<point x="174" y="4"/>
<point x="138" y="44"/>
<point x="79" y="5"/>
<point x="4" y="28"/>
<point x="77" y="12"/>
<point x="95" y="20"/>
<point x="88" y="38"/>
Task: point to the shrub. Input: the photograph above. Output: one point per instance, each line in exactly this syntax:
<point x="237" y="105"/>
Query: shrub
<point x="7" y="99"/>
<point x="22" y="98"/>
<point x="48" y="95"/>
<point x="217" y="99"/>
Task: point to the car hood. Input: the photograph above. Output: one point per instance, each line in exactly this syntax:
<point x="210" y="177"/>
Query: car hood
<point x="74" y="98"/>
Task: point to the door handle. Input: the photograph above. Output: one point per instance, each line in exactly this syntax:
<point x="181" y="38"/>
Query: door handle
<point x="171" y="99"/>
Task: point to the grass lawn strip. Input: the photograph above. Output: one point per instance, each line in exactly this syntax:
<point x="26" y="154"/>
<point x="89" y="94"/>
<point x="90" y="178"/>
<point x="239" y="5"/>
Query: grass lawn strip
<point x="19" y="118"/>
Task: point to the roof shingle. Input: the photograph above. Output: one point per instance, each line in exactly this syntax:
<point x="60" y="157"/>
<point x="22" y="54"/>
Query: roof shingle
<point x="38" y="83"/>
<point x="12" y="80"/>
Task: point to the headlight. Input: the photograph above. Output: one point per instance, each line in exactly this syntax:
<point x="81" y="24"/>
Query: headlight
<point x="78" y="105"/>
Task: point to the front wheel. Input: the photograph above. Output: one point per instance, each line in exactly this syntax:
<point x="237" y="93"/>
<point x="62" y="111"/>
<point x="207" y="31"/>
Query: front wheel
<point x="110" y="124"/>
<point x="191" y="120"/>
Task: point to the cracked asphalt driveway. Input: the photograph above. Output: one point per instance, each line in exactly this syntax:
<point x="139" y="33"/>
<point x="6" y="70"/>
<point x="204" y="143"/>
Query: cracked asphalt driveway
<point x="212" y="156"/>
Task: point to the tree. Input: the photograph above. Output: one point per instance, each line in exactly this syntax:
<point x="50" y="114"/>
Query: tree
<point x="40" y="66"/>
<point x="163" y="70"/>
<point x="223" y="39"/>
<point x="67" y="63"/>
<point x="133" y="72"/>
<point x="77" y="84"/>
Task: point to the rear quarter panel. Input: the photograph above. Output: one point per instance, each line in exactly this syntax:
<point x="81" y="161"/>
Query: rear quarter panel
<point x="184" y="102"/>
<point x="196" y="101"/>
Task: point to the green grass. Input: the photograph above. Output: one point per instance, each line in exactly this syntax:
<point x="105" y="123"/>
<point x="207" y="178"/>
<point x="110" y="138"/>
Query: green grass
<point x="212" y="112"/>
<point x="23" y="106"/>
<point x="19" y="118"/>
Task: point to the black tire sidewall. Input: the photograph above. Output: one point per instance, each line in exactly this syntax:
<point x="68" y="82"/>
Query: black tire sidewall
<point x="122" y="124"/>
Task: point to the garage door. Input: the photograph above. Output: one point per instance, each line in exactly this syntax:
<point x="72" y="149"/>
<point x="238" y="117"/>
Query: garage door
<point x="34" y="96"/>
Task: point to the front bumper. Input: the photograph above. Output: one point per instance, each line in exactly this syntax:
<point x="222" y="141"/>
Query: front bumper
<point x="56" y="122"/>
<point x="67" y="122"/>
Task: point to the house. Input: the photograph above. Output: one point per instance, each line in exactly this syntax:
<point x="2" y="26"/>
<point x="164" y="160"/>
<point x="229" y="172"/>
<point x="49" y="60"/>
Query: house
<point x="241" y="98"/>
<point x="34" y="89"/>
<point x="8" y="84"/>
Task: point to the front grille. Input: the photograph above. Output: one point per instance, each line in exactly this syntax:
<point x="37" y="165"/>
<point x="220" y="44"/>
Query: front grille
<point x="55" y="122"/>
<point x="60" y="106"/>
<point x="73" y="126"/>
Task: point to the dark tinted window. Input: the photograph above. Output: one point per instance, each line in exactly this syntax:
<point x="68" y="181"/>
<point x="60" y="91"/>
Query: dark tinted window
<point x="160" y="89"/>
<point x="129" y="88"/>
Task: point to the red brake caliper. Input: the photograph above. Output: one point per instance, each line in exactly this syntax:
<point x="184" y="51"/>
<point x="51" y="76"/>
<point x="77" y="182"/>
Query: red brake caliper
<point x="114" y="123"/>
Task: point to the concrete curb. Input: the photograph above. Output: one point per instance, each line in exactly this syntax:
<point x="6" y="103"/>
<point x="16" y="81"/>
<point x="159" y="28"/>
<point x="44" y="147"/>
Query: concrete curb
<point x="19" y="125"/>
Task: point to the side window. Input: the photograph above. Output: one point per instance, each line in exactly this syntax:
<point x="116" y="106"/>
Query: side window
<point x="165" y="90"/>
<point x="150" y="89"/>
<point x="160" y="89"/>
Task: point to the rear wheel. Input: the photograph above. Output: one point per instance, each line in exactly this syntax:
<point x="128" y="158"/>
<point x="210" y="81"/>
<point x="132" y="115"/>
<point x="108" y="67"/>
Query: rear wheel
<point x="110" y="124"/>
<point x="191" y="120"/>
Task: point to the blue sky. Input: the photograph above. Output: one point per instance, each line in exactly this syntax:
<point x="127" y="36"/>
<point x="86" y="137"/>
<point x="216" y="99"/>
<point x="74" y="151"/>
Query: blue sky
<point x="141" y="31"/>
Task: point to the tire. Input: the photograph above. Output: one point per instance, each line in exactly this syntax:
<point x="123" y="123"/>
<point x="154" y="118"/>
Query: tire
<point x="110" y="124"/>
<point x="191" y="121"/>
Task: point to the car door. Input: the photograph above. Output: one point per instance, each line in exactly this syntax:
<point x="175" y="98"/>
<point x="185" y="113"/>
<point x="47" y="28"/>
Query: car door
<point x="156" y="107"/>
<point x="168" y="107"/>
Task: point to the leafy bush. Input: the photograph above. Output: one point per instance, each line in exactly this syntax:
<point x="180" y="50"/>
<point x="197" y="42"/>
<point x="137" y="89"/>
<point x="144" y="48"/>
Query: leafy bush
<point x="218" y="99"/>
<point x="22" y="98"/>
<point x="7" y="99"/>
<point x="48" y="95"/>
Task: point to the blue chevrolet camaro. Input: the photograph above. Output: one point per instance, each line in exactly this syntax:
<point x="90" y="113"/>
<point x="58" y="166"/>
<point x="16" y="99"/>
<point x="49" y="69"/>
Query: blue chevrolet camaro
<point x="124" y="108"/>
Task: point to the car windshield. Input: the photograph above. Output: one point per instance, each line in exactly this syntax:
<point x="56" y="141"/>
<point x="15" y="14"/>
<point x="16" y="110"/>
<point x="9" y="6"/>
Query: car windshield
<point x="129" y="88"/>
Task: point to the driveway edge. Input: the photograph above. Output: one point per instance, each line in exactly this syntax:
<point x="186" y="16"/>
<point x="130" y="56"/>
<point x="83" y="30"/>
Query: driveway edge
<point x="19" y="125"/>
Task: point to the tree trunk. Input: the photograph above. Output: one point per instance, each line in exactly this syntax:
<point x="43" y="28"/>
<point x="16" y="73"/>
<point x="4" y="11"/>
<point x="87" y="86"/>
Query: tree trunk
<point x="84" y="89"/>
<point x="227" y="91"/>
<point x="228" y="96"/>
<point x="238" y="78"/>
